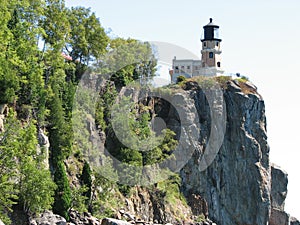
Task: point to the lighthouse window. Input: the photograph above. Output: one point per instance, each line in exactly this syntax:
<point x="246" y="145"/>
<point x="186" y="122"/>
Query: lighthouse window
<point x="211" y="55"/>
<point x="204" y="44"/>
<point x="217" y="43"/>
<point x="218" y="64"/>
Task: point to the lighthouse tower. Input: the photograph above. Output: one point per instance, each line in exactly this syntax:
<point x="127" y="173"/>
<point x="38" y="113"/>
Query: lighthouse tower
<point x="211" y="50"/>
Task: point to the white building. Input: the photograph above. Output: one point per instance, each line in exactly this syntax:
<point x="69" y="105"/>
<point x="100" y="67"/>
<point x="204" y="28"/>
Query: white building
<point x="210" y="63"/>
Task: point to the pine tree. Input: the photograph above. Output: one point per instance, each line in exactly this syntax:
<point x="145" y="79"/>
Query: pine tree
<point x="86" y="180"/>
<point x="62" y="199"/>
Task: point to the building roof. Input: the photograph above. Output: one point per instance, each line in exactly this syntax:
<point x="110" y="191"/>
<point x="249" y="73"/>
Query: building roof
<point x="211" y="24"/>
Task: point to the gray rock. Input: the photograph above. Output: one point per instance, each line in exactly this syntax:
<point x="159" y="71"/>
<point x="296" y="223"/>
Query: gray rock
<point x="110" y="221"/>
<point x="279" y="180"/>
<point x="85" y="218"/>
<point x="236" y="185"/>
<point x="2" y="123"/>
<point x="294" y="221"/>
<point x="278" y="217"/>
<point x="48" y="218"/>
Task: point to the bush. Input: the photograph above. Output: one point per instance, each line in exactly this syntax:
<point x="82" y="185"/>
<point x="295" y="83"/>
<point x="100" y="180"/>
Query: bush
<point x="180" y="79"/>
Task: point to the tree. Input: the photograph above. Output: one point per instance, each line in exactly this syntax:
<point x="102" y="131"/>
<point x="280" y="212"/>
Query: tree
<point x="8" y="173"/>
<point x="36" y="188"/>
<point x="62" y="199"/>
<point x="128" y="60"/>
<point x="86" y="179"/>
<point x="87" y="41"/>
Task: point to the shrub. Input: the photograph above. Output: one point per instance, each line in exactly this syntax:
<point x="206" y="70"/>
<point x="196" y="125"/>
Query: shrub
<point x="180" y="79"/>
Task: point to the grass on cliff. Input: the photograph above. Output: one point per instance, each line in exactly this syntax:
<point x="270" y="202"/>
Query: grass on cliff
<point x="211" y="82"/>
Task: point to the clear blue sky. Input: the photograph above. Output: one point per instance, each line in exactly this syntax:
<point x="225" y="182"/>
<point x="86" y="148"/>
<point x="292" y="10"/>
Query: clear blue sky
<point x="261" y="39"/>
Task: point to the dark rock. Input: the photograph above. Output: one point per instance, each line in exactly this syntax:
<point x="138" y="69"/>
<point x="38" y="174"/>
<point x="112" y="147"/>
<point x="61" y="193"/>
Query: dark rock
<point x="236" y="182"/>
<point x="110" y="221"/>
<point x="278" y="217"/>
<point x="279" y="179"/>
<point x="233" y="86"/>
<point x="294" y="221"/>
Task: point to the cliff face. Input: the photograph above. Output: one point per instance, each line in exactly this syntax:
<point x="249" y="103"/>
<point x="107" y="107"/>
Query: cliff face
<point x="222" y="157"/>
<point x="237" y="184"/>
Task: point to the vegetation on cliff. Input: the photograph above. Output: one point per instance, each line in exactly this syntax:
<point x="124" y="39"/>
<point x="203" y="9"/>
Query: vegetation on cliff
<point x="45" y="49"/>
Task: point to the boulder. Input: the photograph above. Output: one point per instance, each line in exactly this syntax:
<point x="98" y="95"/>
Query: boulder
<point x="85" y="218"/>
<point x="110" y="221"/>
<point x="278" y="217"/>
<point x="47" y="218"/>
<point x="294" y="221"/>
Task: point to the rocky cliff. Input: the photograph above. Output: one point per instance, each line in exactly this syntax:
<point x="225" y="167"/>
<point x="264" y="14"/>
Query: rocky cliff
<point x="222" y="158"/>
<point x="234" y="178"/>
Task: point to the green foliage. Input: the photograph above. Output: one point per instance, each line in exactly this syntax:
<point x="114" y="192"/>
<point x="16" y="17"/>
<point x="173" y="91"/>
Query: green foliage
<point x="200" y="218"/>
<point x="59" y="131"/>
<point x="222" y="80"/>
<point x="39" y="83"/>
<point x="62" y="199"/>
<point x="106" y="190"/>
<point x="79" y="199"/>
<point x="180" y="79"/>
<point x="86" y="179"/>
<point x="36" y="185"/>
<point x="88" y="40"/>
<point x="129" y="60"/>
<point x="243" y="79"/>
<point x="171" y="188"/>
<point x="37" y="188"/>
<point x="22" y="172"/>
<point x="8" y="152"/>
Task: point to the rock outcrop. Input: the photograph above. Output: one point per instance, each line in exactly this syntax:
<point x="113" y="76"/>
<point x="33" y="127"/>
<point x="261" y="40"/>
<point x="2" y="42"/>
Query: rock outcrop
<point x="279" y="182"/>
<point x="294" y="221"/>
<point x="222" y="159"/>
<point x="229" y="168"/>
<point x="110" y="221"/>
<point x="47" y="218"/>
<point x="237" y="184"/>
<point x="84" y="218"/>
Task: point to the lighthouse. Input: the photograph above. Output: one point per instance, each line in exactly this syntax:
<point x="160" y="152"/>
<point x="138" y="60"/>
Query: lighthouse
<point x="211" y="50"/>
<point x="210" y="63"/>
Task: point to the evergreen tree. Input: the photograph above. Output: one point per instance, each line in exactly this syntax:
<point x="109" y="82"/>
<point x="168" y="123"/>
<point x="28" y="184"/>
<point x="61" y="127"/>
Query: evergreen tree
<point x="86" y="179"/>
<point x="8" y="152"/>
<point x="62" y="199"/>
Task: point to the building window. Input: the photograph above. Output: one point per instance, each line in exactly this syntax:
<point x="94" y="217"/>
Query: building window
<point x="182" y="67"/>
<point x="204" y="44"/>
<point x="188" y="67"/>
<point x="218" y="64"/>
<point x="217" y="43"/>
<point x="211" y="55"/>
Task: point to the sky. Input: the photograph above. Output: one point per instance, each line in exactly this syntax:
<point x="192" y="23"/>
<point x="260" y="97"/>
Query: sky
<point x="261" y="40"/>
